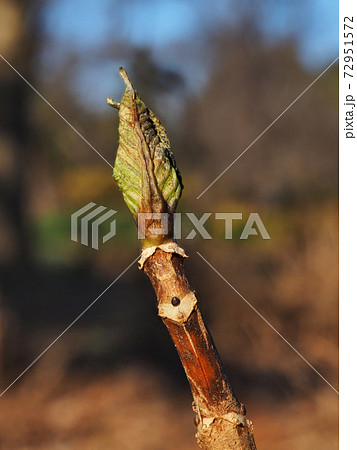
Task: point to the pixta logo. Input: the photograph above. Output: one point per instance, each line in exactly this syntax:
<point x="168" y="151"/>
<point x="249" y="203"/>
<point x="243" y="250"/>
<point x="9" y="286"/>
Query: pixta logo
<point x="159" y="224"/>
<point x="82" y="219"/>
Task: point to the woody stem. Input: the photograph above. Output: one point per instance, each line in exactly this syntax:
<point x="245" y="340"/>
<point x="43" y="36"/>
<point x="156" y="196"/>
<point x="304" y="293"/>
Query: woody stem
<point x="220" y="418"/>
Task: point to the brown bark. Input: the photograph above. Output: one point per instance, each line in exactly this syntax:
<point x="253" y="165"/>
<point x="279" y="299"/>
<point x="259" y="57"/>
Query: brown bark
<point x="220" y="418"/>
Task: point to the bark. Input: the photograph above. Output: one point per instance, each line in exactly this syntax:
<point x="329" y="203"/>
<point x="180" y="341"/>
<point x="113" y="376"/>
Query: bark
<point x="219" y="417"/>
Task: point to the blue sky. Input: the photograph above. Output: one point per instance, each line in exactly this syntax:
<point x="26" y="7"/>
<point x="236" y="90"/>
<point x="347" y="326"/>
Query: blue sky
<point x="83" y="25"/>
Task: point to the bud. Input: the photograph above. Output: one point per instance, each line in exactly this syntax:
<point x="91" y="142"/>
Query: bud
<point x="145" y="168"/>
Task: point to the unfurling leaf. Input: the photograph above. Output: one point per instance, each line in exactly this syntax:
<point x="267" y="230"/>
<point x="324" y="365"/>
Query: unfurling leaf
<point x="145" y="168"/>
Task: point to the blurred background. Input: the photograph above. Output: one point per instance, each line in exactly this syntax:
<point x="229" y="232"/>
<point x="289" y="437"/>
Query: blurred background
<point x="217" y="74"/>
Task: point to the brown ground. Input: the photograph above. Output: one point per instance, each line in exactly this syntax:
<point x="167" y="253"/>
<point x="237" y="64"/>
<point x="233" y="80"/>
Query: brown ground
<point x="136" y="410"/>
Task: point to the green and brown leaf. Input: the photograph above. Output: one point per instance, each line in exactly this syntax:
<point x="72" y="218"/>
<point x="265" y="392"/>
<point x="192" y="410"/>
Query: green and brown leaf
<point x="145" y="168"/>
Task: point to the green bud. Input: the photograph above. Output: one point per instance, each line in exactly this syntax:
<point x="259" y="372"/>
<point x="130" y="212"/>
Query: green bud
<point x="145" y="168"/>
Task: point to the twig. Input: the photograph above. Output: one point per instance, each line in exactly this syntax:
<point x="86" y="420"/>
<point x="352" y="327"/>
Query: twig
<point x="146" y="172"/>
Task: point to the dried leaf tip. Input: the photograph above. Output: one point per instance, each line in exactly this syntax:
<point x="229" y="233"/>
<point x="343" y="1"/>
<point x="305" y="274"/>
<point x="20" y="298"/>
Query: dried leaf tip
<point x="113" y="103"/>
<point x="128" y="83"/>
